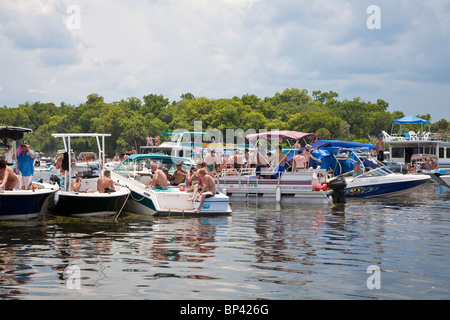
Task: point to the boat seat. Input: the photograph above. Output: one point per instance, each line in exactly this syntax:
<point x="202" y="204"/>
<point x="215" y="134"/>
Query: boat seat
<point x="145" y="180"/>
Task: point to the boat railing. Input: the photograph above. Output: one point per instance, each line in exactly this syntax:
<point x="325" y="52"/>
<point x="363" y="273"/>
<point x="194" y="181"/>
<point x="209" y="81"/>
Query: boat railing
<point x="413" y="136"/>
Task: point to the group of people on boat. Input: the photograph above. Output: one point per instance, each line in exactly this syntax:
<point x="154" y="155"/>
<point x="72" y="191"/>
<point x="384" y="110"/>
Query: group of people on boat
<point x="9" y="176"/>
<point x="198" y="181"/>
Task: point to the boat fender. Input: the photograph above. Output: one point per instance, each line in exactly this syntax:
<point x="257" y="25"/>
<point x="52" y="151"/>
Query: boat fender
<point x="324" y="187"/>
<point x="278" y="194"/>
<point x="224" y="191"/>
<point x="56" y="197"/>
<point x="182" y="187"/>
<point x="318" y="187"/>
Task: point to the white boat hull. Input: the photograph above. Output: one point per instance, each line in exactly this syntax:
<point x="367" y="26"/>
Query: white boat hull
<point x="291" y="186"/>
<point x="171" y="201"/>
<point x="387" y="185"/>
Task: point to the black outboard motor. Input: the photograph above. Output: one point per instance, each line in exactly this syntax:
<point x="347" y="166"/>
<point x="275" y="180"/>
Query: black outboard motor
<point x="54" y="179"/>
<point x="338" y="185"/>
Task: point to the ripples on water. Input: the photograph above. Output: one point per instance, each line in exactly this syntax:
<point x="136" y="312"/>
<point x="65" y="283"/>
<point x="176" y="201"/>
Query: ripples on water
<point x="261" y="251"/>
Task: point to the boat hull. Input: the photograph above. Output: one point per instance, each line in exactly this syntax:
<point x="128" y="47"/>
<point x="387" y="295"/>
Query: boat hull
<point x="395" y="184"/>
<point x="169" y="202"/>
<point x="96" y="204"/>
<point x="23" y="204"/>
<point x="290" y="187"/>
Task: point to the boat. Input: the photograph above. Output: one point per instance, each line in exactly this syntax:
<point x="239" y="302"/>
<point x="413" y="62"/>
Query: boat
<point x="403" y="145"/>
<point x="134" y="173"/>
<point x="18" y="203"/>
<point x="271" y="185"/>
<point x="374" y="179"/>
<point x="88" y="202"/>
<point x="429" y="164"/>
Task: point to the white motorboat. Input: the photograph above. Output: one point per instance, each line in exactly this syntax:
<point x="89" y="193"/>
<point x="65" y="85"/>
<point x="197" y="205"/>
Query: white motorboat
<point x="372" y="180"/>
<point x="134" y="174"/>
<point x="88" y="201"/>
<point x="18" y="203"/>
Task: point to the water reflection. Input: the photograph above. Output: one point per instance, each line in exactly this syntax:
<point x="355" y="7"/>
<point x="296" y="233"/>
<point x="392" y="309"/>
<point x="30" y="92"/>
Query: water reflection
<point x="261" y="251"/>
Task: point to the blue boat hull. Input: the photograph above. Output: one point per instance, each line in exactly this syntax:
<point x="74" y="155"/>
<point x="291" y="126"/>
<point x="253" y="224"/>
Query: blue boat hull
<point x="22" y="206"/>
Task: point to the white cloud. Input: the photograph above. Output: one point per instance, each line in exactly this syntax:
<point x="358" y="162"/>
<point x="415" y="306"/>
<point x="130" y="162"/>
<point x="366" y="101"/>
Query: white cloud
<point x="223" y="48"/>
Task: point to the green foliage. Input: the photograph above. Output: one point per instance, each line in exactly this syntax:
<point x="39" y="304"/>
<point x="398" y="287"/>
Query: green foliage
<point x="131" y="120"/>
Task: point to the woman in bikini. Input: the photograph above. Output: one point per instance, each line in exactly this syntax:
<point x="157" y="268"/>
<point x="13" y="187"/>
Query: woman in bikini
<point x="8" y="177"/>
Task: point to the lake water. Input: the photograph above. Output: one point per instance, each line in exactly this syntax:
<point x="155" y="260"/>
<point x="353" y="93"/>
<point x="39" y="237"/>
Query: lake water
<point x="261" y="251"/>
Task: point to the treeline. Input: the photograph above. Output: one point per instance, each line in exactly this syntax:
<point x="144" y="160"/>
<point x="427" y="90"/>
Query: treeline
<point x="130" y="121"/>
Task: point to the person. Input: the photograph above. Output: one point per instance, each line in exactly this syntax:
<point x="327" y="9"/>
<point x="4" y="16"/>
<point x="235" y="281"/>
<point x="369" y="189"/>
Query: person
<point x="8" y="177"/>
<point x="308" y="156"/>
<point x="279" y="159"/>
<point x="76" y="184"/>
<point x="237" y="160"/>
<point x="211" y="160"/>
<point x="25" y="161"/>
<point x="299" y="161"/>
<point x="157" y="141"/>
<point x="380" y="148"/>
<point x="178" y="176"/>
<point x="208" y="188"/>
<point x="105" y="183"/>
<point x="149" y="141"/>
<point x="357" y="170"/>
<point x="261" y="161"/>
<point x="190" y="178"/>
<point x="59" y="163"/>
<point x="159" y="180"/>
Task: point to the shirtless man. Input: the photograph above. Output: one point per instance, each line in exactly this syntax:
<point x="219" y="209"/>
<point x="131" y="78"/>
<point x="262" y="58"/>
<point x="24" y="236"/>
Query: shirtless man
<point x="7" y="176"/>
<point x="380" y="148"/>
<point x="307" y="154"/>
<point x="299" y="161"/>
<point x="261" y="161"/>
<point x="178" y="176"/>
<point x="279" y="159"/>
<point x="76" y="184"/>
<point x="159" y="180"/>
<point x="105" y="183"/>
<point x="208" y="190"/>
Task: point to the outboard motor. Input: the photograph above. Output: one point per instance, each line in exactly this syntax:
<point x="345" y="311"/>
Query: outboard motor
<point x="338" y="185"/>
<point x="54" y="179"/>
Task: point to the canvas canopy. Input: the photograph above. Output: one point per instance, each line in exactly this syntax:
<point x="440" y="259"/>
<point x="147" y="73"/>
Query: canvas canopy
<point x="409" y="120"/>
<point x="280" y="135"/>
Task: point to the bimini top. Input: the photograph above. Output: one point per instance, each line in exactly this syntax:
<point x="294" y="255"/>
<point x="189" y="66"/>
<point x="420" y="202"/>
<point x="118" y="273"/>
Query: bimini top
<point x="280" y="135"/>
<point x="410" y="119"/>
<point x="14" y="133"/>
<point x="158" y="157"/>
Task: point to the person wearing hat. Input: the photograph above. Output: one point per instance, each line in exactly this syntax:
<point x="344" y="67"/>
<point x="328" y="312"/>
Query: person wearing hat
<point x="25" y="163"/>
<point x="380" y="148"/>
<point x="307" y="154"/>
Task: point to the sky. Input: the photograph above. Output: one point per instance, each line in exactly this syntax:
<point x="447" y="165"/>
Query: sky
<point x="62" y="51"/>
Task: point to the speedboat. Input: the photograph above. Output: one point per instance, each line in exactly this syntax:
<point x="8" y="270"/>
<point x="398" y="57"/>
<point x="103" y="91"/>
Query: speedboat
<point x="373" y="179"/>
<point x="18" y="203"/>
<point x="88" y="202"/>
<point x="382" y="182"/>
<point x="134" y="173"/>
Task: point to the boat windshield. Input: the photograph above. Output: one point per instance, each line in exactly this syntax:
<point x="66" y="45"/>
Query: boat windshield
<point x="375" y="173"/>
<point x="141" y="165"/>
